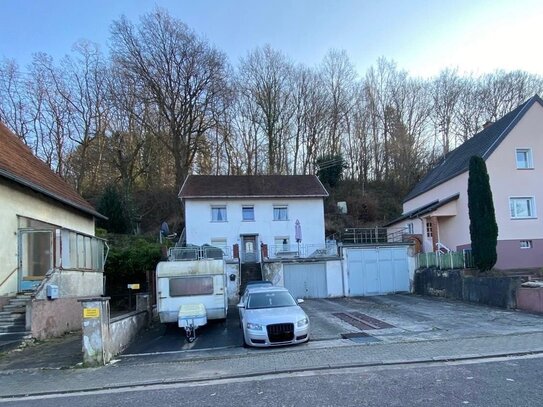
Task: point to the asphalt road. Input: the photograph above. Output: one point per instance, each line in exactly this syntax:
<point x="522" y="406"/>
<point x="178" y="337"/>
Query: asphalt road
<point x="509" y="382"/>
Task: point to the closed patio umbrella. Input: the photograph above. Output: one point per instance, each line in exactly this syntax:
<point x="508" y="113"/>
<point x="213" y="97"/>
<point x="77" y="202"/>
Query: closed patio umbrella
<point x="298" y="234"/>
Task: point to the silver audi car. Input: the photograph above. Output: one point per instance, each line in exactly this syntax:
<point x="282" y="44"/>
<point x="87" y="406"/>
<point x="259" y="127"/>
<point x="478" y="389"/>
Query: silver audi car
<point x="270" y="316"/>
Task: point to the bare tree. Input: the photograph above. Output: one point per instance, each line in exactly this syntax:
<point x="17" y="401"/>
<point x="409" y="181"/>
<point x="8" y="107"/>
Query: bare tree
<point x="180" y="75"/>
<point x="264" y="81"/>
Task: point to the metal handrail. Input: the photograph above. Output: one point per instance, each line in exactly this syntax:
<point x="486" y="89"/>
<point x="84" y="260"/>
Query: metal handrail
<point x="9" y="275"/>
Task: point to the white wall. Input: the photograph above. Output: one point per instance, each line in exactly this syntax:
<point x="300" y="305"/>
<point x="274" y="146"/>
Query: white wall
<point x="14" y="202"/>
<point x="200" y="229"/>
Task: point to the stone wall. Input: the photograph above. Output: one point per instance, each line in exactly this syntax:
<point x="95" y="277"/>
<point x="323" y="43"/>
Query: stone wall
<point x="493" y="291"/>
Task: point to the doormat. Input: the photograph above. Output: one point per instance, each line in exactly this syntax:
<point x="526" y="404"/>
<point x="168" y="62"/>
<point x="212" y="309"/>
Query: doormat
<point x="360" y="337"/>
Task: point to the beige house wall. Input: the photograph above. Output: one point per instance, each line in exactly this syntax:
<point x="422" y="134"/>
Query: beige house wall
<point x="17" y="201"/>
<point x="508" y="181"/>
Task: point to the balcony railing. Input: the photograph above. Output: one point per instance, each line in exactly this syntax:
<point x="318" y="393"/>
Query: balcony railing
<point x="445" y="261"/>
<point x="373" y="235"/>
<point x="302" y="251"/>
<point x="199" y="253"/>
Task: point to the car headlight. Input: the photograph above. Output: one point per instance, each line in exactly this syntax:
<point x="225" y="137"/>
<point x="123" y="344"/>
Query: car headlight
<point x="254" y="327"/>
<point x="302" y="322"/>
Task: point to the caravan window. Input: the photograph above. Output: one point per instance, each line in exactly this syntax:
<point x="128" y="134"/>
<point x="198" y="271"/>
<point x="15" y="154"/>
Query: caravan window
<point x="186" y="286"/>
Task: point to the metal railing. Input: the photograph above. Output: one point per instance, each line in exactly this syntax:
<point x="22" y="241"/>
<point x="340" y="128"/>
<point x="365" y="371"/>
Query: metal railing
<point x="445" y="261"/>
<point x="302" y="250"/>
<point x="199" y="253"/>
<point x="373" y="235"/>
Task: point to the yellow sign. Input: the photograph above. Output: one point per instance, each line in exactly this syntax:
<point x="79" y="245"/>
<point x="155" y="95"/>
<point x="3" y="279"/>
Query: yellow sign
<point x="133" y="286"/>
<point x="91" y="312"/>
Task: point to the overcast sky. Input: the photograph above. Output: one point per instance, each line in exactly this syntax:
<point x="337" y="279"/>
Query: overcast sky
<point x="422" y="36"/>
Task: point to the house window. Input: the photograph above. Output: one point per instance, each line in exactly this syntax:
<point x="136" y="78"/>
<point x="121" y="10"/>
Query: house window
<point x="429" y="231"/>
<point x="522" y="207"/>
<point x="218" y="213"/>
<point x="281" y="241"/>
<point x="410" y="228"/>
<point x="280" y="212"/>
<point x="526" y="244"/>
<point x="248" y="213"/>
<point x="524" y="158"/>
<point x="218" y="242"/>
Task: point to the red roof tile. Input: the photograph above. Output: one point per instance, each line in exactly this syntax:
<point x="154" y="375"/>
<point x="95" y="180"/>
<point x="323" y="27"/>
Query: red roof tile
<point x="18" y="164"/>
<point x="252" y="186"/>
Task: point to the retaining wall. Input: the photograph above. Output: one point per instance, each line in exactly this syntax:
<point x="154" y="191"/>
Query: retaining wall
<point x="123" y="329"/>
<point x="52" y="318"/>
<point x="493" y="291"/>
<point x="530" y="299"/>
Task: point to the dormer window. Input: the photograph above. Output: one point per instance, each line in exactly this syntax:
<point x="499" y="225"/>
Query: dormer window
<point x="524" y="159"/>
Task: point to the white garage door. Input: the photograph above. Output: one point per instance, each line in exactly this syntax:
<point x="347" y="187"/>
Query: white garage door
<point x="378" y="270"/>
<point x="305" y="280"/>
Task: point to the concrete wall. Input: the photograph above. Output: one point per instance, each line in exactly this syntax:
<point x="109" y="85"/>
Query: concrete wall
<point x="493" y="291"/>
<point x="52" y="318"/>
<point x="75" y="283"/>
<point x="200" y="229"/>
<point x="530" y="299"/>
<point x="123" y="330"/>
<point x="17" y="201"/>
<point x="233" y="286"/>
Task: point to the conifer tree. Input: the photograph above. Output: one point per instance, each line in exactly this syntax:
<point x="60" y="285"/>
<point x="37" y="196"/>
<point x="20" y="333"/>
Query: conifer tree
<point x="483" y="228"/>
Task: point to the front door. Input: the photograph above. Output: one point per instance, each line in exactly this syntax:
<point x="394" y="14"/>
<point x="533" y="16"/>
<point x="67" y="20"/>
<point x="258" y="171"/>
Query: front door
<point x="250" y="254"/>
<point x="35" y="257"/>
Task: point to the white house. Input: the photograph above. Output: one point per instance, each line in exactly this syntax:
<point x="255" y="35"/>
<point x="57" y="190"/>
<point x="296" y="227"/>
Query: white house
<point x="47" y="235"/>
<point x="436" y="209"/>
<point x="255" y="211"/>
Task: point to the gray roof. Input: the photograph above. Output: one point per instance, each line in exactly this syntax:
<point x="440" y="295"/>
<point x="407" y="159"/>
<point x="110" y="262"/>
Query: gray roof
<point x="252" y="186"/>
<point x="482" y="144"/>
<point x="422" y="210"/>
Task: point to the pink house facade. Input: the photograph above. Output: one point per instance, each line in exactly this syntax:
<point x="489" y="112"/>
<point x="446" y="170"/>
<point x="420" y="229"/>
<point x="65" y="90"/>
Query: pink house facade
<point x="436" y="210"/>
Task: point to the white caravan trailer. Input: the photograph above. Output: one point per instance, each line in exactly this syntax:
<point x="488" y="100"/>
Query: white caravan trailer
<point x="190" y="292"/>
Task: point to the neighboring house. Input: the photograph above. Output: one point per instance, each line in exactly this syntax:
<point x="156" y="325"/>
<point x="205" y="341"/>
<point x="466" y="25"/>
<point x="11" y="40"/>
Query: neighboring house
<point x="255" y="210"/>
<point x="512" y="147"/>
<point x="47" y="235"/>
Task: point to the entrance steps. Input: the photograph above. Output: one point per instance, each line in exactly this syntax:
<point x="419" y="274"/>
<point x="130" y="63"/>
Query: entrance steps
<point x="249" y="272"/>
<point x="13" y="314"/>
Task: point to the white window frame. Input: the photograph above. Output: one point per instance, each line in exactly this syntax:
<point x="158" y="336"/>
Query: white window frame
<point x="279" y="240"/>
<point x="410" y="228"/>
<point x="529" y="159"/>
<point x="526" y="244"/>
<point x="243" y="207"/>
<point x="219" y="242"/>
<point x="531" y="206"/>
<point x="285" y="207"/>
<point x="213" y="207"/>
<point x="429" y="229"/>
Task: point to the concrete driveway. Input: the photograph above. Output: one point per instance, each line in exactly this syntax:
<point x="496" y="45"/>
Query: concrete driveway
<point x="341" y="321"/>
<point x="399" y="318"/>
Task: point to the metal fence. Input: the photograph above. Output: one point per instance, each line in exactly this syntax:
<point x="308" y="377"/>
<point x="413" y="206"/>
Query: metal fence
<point x="445" y="261"/>
<point x="199" y="253"/>
<point x="373" y="235"/>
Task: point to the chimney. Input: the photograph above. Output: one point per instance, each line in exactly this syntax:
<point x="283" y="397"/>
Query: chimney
<point x="487" y="124"/>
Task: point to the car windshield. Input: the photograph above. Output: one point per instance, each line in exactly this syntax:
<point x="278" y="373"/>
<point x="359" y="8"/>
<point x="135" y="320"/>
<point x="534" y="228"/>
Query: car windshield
<point x="270" y="300"/>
